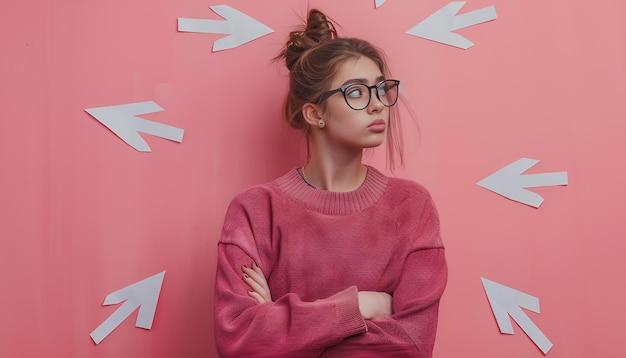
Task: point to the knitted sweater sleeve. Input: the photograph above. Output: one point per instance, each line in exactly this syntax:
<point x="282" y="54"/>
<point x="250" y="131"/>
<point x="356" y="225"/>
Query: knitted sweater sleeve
<point x="287" y="327"/>
<point x="410" y="331"/>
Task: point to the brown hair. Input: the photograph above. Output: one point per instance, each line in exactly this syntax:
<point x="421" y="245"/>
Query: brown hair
<point x="313" y="55"/>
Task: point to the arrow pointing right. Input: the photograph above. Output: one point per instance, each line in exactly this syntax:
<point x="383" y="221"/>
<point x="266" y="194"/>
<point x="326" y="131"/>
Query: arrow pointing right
<point x="439" y="26"/>
<point x="143" y="295"/>
<point x="506" y="302"/>
<point x="241" y="27"/>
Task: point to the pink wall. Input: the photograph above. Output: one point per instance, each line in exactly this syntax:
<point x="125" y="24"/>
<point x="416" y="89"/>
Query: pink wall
<point x="84" y="214"/>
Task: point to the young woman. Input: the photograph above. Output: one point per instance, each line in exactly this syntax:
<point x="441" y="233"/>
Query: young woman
<point x="333" y="259"/>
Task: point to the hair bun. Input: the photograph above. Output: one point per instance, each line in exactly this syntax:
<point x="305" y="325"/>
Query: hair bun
<point x="317" y="31"/>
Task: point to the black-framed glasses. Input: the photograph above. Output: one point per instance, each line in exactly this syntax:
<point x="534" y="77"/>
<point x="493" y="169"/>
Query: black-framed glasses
<point x="358" y="95"/>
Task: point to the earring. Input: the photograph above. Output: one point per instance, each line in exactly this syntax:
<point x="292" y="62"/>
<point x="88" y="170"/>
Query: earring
<point x="321" y="124"/>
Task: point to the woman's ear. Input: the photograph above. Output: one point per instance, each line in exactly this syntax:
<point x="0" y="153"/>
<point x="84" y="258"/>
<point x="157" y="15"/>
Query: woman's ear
<point x="312" y="113"/>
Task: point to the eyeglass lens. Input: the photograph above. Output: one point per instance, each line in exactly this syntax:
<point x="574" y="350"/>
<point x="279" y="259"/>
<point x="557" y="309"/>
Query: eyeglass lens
<point x="358" y="96"/>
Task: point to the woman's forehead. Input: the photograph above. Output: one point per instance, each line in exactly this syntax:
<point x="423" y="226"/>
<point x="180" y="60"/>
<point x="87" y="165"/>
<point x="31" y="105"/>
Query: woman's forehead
<point x="361" y="69"/>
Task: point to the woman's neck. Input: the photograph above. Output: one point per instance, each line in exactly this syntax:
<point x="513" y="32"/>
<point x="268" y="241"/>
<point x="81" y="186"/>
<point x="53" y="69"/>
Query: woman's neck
<point x="328" y="171"/>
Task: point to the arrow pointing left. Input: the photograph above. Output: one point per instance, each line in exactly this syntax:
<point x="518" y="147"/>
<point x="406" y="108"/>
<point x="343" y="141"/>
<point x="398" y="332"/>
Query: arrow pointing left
<point x="506" y="302"/>
<point x="122" y="121"/>
<point x="510" y="183"/>
<point x="143" y="295"/>
<point x="240" y="27"/>
<point x="439" y="26"/>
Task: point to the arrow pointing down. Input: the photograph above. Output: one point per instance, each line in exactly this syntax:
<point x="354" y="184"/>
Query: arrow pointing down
<point x="510" y="183"/>
<point x="241" y="27"/>
<point x="506" y="302"/>
<point x="439" y="26"/>
<point x="121" y="120"/>
<point x="143" y="295"/>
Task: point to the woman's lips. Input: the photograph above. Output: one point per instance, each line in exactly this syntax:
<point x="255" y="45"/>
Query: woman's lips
<point x="377" y="126"/>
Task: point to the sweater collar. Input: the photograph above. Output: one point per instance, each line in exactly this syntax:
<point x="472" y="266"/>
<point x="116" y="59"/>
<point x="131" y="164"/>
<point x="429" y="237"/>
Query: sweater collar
<point x="330" y="202"/>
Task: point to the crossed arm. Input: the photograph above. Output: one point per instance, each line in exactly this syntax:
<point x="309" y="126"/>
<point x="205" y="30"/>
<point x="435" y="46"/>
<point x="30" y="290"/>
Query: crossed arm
<point x="270" y="323"/>
<point x="372" y="304"/>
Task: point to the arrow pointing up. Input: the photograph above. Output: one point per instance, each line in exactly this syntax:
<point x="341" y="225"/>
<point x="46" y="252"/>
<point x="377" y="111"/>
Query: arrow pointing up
<point x="241" y="27"/>
<point x="121" y="120"/>
<point x="439" y="26"/>
<point x="506" y="302"/>
<point x="509" y="182"/>
<point x="143" y="295"/>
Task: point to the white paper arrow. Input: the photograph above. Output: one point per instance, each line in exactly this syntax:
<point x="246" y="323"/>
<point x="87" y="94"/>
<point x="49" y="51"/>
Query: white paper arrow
<point x="509" y="182"/>
<point x="379" y="3"/>
<point x="241" y="27"/>
<point x="439" y="26"/>
<point x="506" y="302"/>
<point x="143" y="295"/>
<point x="121" y="120"/>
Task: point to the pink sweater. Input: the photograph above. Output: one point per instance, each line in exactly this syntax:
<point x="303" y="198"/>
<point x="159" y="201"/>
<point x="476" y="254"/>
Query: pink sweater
<point x="317" y="250"/>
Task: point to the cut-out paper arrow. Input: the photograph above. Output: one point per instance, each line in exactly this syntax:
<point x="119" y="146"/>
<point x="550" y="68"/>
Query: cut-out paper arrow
<point x="506" y="302"/>
<point x="121" y="120"/>
<point x="510" y="183"/>
<point x="143" y="295"/>
<point x="240" y="27"/>
<point x="379" y="3"/>
<point x="439" y="26"/>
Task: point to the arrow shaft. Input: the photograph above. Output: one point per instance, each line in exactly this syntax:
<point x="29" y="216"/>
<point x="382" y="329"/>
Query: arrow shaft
<point x="158" y="129"/>
<point x="544" y="179"/>
<point x="531" y="329"/>
<point x="203" y="26"/>
<point x="113" y="321"/>
<point x="474" y="18"/>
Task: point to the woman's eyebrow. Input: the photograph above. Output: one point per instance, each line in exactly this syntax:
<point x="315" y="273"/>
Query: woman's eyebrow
<point x="362" y="80"/>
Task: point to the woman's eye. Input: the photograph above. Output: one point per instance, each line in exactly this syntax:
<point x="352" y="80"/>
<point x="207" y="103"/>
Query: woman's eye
<point x="382" y="90"/>
<point x="354" y="92"/>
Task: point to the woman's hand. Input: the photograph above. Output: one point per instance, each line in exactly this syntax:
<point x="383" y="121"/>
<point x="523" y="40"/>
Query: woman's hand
<point x="255" y="279"/>
<point x="375" y="305"/>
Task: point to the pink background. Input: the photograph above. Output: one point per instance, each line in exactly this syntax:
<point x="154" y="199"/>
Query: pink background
<point x="83" y="214"/>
